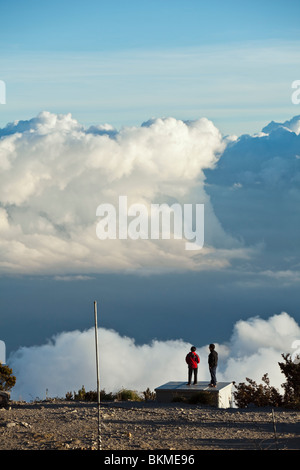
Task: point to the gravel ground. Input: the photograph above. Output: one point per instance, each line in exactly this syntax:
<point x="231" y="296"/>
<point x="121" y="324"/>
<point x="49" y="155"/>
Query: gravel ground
<point x="63" y="425"/>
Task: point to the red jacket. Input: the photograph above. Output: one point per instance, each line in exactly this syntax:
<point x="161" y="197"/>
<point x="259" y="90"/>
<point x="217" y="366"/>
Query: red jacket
<point x="192" y="359"/>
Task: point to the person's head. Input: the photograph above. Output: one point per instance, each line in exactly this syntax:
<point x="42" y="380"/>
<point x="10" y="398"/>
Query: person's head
<point x="193" y="348"/>
<point x="211" y="347"/>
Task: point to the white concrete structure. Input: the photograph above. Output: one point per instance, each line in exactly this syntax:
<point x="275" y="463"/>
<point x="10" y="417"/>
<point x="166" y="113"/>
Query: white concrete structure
<point x="220" y="396"/>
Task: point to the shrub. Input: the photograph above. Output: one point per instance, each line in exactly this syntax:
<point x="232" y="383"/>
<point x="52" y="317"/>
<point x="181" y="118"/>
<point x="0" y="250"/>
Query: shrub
<point x="7" y="380"/>
<point x="126" y="395"/>
<point x="69" y="396"/>
<point x="257" y="394"/>
<point x="106" y="396"/>
<point x="291" y="387"/>
<point x="122" y="395"/>
<point x="80" y="396"/>
<point x="148" y="395"/>
<point x="265" y="395"/>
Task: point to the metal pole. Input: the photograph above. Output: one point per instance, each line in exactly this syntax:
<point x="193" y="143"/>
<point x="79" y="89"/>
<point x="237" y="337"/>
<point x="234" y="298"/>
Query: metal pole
<point x="274" y="428"/>
<point x="97" y="367"/>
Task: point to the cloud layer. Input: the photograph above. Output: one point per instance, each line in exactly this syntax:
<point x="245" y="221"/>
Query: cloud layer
<point x="255" y="192"/>
<point x="55" y="173"/>
<point x="268" y="160"/>
<point x="67" y="361"/>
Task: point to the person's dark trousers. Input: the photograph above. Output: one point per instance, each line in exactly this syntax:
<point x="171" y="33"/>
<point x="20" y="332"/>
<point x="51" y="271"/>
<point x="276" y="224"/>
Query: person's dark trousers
<point x="191" y="372"/>
<point x="213" y="372"/>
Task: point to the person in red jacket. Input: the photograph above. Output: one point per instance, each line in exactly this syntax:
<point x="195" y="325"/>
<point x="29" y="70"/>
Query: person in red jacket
<point x="192" y="359"/>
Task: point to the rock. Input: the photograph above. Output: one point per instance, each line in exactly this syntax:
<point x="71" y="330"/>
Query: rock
<point x="4" y="398"/>
<point x="26" y="425"/>
<point x="11" y="424"/>
<point x="76" y="442"/>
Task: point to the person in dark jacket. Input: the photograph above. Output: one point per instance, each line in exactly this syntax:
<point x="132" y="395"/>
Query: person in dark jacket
<point x="192" y="359"/>
<point x="212" y="364"/>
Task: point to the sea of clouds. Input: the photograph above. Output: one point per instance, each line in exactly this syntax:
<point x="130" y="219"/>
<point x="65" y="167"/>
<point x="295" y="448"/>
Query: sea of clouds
<point x="68" y="360"/>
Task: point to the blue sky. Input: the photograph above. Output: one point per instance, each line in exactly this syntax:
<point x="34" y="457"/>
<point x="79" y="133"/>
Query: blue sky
<point x="140" y="97"/>
<point x="125" y="62"/>
<point x="119" y="25"/>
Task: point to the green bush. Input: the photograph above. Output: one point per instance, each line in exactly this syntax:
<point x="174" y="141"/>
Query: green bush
<point x="7" y="380"/>
<point x="291" y="387"/>
<point x="126" y="395"/>
<point x="265" y="395"/>
<point x="121" y="395"/>
<point x="106" y="396"/>
<point x="69" y="396"/>
<point x="80" y="395"/>
<point x="257" y="394"/>
<point x="148" y="395"/>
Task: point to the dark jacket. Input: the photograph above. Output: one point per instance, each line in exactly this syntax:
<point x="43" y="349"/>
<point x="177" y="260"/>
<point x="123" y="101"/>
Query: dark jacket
<point x="213" y="359"/>
<point x="192" y="359"/>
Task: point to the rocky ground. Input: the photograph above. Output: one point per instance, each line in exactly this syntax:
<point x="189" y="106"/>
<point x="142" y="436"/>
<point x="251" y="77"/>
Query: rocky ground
<point x="68" y="425"/>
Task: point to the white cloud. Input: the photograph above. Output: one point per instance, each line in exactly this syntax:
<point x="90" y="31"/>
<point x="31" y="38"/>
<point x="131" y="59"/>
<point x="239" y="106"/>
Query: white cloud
<point x="55" y="173"/>
<point x="292" y="125"/>
<point x="72" y="278"/>
<point x="254" y="190"/>
<point x="286" y="277"/>
<point x="67" y="361"/>
<point x="265" y="161"/>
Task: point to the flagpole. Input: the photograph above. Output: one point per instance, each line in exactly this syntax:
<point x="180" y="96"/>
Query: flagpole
<point x="97" y="367"/>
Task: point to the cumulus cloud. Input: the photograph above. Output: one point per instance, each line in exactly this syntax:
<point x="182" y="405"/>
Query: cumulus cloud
<point x="254" y="189"/>
<point x="67" y="361"/>
<point x="292" y="125"/>
<point x="263" y="161"/>
<point x="55" y="173"/>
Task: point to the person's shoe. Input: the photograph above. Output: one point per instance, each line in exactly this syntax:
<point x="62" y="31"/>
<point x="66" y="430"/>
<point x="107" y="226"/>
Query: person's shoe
<point x="188" y="384"/>
<point x="195" y="383"/>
